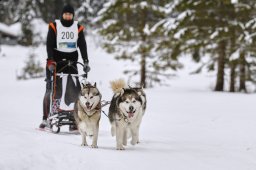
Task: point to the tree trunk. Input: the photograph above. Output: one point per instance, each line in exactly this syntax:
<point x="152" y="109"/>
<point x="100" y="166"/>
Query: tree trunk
<point x="232" y="76"/>
<point x="233" y="63"/>
<point x="221" y="66"/>
<point x="143" y="71"/>
<point x="242" y="74"/>
<point x="143" y="51"/>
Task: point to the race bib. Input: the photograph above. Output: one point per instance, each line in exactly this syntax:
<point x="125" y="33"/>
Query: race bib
<point x="67" y="37"/>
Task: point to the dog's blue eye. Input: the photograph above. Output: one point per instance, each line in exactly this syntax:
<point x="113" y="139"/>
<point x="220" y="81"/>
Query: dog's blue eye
<point x="126" y="102"/>
<point x="91" y="97"/>
<point x="134" y="101"/>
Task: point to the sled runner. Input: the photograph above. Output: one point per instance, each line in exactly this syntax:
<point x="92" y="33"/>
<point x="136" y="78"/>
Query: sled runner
<point x="64" y="93"/>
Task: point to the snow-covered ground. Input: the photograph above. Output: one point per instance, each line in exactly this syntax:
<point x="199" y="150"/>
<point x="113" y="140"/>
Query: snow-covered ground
<point x="186" y="125"/>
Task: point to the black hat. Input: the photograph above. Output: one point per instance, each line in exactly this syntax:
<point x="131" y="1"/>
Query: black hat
<point x="68" y="8"/>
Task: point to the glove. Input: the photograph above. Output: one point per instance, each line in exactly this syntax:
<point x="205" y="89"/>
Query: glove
<point x="86" y="67"/>
<point x="51" y="65"/>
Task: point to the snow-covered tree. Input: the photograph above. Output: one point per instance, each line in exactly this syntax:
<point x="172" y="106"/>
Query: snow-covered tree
<point x="50" y="9"/>
<point x="217" y="28"/>
<point x="126" y="28"/>
<point x="87" y="11"/>
<point x="9" y="11"/>
<point x="32" y="68"/>
<point x="26" y="16"/>
<point x="243" y="57"/>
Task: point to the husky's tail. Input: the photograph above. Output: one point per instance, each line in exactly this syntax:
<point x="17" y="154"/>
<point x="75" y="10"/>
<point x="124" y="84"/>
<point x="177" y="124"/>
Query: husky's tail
<point x="118" y="85"/>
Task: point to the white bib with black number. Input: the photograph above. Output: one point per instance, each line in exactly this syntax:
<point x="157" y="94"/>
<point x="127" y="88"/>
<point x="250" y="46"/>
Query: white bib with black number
<point x="66" y="37"/>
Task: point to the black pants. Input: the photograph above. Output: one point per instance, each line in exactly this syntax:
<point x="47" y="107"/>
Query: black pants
<point x="47" y="95"/>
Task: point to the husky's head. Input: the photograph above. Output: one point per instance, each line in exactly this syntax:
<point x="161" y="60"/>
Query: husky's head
<point x="142" y="95"/>
<point x="90" y="97"/>
<point x="129" y="103"/>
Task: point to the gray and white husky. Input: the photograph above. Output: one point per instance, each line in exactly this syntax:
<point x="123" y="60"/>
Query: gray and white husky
<point x="88" y="112"/>
<point x="126" y="110"/>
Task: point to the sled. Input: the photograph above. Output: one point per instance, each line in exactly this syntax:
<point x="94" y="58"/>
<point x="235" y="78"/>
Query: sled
<point x="64" y="92"/>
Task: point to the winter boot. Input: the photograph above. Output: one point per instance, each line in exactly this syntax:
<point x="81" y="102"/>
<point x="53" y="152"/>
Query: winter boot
<point x="43" y="124"/>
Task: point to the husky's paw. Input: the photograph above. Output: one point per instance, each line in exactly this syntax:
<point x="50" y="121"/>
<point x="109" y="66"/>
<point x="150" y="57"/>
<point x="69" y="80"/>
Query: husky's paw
<point x="94" y="146"/>
<point x="120" y="148"/>
<point x="133" y="142"/>
<point x="84" y="144"/>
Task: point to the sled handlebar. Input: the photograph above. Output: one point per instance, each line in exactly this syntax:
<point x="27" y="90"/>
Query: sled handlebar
<point x="70" y="63"/>
<point x="72" y="75"/>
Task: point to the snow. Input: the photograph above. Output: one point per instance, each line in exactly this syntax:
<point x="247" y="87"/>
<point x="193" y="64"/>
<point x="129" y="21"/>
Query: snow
<point x="106" y="7"/>
<point x="108" y="23"/>
<point x="40" y="30"/>
<point x="234" y="1"/>
<point x="180" y="33"/>
<point x="235" y="55"/>
<point x="186" y="125"/>
<point x="144" y="4"/>
<point x="171" y="6"/>
<point x="146" y="30"/>
<point x="11" y="30"/>
<point x="153" y="29"/>
<point x="215" y="34"/>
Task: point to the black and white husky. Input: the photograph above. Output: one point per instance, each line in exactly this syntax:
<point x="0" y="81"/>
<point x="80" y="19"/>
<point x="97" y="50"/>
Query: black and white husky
<point x="126" y="110"/>
<point x="88" y="112"/>
<point x="142" y="95"/>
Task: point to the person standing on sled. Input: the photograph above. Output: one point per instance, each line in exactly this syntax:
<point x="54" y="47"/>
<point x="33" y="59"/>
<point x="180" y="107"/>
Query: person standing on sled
<point x="61" y="46"/>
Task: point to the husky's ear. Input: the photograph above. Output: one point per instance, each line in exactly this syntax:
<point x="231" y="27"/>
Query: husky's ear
<point x="122" y="91"/>
<point x="94" y="84"/>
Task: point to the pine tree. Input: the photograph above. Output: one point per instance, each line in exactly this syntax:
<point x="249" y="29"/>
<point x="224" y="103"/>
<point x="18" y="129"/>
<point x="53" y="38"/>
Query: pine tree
<point x="27" y="15"/>
<point x="87" y="10"/>
<point x="32" y="69"/>
<point x="241" y="50"/>
<point x="209" y="27"/>
<point x="50" y="9"/>
<point x="126" y="30"/>
<point x="9" y="11"/>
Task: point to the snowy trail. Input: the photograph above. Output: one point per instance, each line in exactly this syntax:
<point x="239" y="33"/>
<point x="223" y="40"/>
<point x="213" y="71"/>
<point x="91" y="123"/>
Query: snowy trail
<point x="186" y="126"/>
